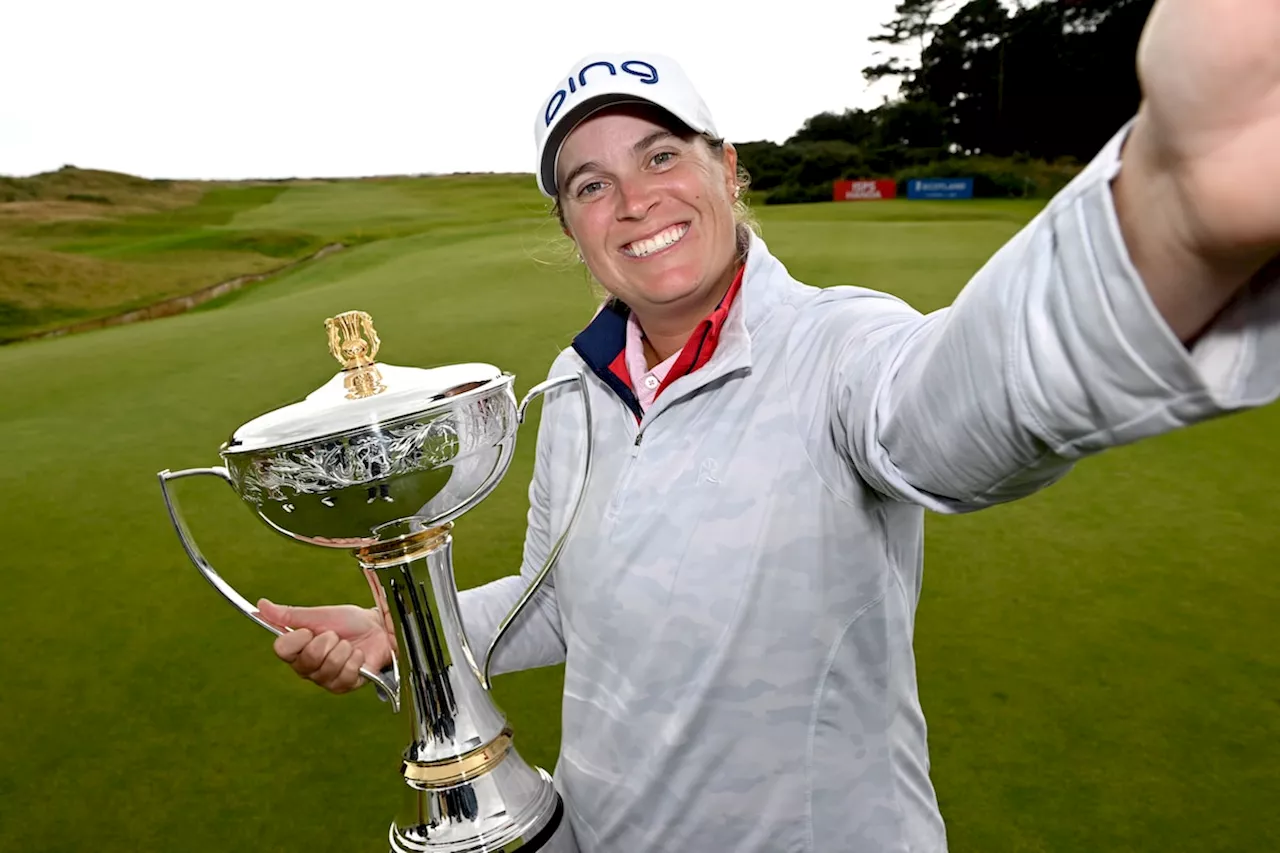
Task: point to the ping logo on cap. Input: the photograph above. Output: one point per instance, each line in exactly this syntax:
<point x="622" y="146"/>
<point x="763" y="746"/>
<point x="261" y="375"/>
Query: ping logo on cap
<point x="638" y="68"/>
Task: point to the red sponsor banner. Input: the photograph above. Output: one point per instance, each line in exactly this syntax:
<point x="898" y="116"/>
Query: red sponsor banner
<point x="865" y="190"/>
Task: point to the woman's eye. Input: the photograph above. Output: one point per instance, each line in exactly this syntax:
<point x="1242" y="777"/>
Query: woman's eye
<point x="662" y="157"/>
<point x="589" y="188"/>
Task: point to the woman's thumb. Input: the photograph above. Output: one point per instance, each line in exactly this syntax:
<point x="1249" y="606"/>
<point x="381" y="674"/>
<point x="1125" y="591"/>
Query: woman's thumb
<point x="280" y="615"/>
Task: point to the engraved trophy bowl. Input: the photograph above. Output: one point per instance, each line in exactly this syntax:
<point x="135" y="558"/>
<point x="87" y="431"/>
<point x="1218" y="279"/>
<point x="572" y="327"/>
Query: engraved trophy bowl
<point x="381" y="460"/>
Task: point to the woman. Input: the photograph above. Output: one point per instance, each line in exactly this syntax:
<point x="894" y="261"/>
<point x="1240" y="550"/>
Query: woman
<point x="735" y="609"/>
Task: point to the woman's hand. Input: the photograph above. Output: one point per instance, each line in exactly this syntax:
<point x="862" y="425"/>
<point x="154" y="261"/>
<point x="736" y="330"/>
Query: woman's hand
<point x="1197" y="189"/>
<point x="329" y="644"/>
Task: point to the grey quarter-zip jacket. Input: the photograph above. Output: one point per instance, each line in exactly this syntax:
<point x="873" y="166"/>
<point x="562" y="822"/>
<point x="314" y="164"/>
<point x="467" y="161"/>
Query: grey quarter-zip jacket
<point x="735" y="605"/>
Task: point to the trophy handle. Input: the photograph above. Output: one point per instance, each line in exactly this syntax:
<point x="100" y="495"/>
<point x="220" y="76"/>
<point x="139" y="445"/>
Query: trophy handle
<point x="386" y="681"/>
<point x="535" y="392"/>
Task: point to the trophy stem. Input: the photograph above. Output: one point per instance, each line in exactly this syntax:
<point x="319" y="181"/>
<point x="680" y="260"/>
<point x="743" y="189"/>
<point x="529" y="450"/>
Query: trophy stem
<point x="466" y="786"/>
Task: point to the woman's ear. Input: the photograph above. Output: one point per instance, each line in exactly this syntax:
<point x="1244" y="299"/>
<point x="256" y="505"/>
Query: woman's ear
<point x="576" y="250"/>
<point x="731" y="166"/>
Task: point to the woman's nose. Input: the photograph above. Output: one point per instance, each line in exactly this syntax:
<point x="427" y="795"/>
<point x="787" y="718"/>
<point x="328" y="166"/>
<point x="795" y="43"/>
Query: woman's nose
<point x="636" y="197"/>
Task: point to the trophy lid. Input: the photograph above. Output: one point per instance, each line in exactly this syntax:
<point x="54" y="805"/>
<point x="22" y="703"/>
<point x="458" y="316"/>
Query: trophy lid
<point x="365" y="393"/>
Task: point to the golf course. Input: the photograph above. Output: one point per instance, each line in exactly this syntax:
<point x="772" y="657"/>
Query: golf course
<point x="1099" y="664"/>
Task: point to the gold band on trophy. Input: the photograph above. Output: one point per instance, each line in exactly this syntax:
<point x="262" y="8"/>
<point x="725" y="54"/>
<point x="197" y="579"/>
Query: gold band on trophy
<point x="404" y="549"/>
<point x="442" y="774"/>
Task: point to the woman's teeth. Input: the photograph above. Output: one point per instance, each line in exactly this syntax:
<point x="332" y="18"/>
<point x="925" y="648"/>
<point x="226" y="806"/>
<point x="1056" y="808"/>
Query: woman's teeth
<point x="657" y="242"/>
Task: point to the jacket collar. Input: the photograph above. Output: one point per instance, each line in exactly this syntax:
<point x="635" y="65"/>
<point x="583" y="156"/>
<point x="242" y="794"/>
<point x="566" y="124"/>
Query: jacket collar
<point x="721" y="344"/>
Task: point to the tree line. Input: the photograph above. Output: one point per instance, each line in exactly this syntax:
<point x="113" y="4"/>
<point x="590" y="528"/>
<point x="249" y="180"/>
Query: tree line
<point x="1016" y="95"/>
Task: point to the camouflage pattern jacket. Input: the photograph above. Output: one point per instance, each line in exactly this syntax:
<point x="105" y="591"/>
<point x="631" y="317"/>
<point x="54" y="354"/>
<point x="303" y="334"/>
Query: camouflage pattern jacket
<point x="735" y="606"/>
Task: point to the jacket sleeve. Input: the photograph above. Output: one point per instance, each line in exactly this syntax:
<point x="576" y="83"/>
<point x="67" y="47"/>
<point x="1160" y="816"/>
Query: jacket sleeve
<point x="535" y="638"/>
<point x="1052" y="352"/>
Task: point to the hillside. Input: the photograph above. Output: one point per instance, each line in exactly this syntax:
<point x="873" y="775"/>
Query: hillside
<point x="81" y="244"/>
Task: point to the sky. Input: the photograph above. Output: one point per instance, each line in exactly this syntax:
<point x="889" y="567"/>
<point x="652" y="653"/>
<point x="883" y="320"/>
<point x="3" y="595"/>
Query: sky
<point x="277" y="88"/>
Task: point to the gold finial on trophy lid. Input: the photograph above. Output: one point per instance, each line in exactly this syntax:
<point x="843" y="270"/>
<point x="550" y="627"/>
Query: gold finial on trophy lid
<point x="354" y="343"/>
<point x="346" y="342"/>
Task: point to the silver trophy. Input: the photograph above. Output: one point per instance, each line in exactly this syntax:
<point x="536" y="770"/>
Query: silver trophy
<point x="381" y="460"/>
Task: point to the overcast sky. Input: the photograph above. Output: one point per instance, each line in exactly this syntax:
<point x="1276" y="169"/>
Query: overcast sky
<point x="278" y="88"/>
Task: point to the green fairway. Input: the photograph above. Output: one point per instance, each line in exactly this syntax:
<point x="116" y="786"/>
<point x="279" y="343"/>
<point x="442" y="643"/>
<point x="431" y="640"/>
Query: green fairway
<point x="1099" y="664"/>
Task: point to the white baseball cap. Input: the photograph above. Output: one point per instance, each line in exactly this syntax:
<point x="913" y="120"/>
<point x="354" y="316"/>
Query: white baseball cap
<point x="602" y="79"/>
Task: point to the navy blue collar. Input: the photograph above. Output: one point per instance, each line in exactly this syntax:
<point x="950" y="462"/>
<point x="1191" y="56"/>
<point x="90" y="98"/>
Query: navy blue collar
<point x="603" y="346"/>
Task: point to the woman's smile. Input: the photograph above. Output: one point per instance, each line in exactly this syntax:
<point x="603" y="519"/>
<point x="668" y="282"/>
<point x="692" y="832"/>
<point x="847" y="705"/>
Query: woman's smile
<point x="664" y="239"/>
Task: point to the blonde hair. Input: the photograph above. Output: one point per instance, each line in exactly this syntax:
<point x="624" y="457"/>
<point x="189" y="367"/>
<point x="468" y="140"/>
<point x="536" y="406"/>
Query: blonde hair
<point x="743" y="215"/>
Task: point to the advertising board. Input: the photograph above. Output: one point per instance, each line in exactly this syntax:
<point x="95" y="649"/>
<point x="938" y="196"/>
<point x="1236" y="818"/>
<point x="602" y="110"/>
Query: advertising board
<point x="940" y="188"/>
<point x="864" y="190"/>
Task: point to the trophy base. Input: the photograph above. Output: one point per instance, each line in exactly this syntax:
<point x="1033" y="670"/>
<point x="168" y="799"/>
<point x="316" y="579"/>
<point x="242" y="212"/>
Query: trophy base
<point x="461" y="828"/>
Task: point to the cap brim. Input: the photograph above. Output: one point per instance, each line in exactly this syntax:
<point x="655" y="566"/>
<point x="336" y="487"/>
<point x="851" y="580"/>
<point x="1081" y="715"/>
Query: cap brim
<point x="575" y="117"/>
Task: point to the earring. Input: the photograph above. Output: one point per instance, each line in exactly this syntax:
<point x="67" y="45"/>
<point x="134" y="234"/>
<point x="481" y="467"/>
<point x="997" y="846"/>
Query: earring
<point x="736" y="192"/>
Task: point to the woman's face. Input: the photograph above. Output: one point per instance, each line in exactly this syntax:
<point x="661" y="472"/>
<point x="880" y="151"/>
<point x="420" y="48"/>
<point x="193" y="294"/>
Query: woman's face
<point x="651" y="212"/>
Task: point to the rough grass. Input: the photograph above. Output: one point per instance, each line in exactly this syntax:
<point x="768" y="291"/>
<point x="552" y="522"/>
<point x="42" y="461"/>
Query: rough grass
<point x="1099" y="663"/>
<point x="78" y="244"/>
<point x="98" y="187"/>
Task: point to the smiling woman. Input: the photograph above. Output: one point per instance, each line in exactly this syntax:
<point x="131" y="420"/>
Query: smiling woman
<point x="735" y="604"/>
<point x="696" y="165"/>
<point x="649" y="203"/>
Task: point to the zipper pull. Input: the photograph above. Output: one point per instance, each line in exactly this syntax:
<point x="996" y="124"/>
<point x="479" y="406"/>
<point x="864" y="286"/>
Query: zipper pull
<point x="635" y="447"/>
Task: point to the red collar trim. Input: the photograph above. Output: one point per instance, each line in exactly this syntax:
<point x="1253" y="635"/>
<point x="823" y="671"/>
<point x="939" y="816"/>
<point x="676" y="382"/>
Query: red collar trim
<point x="705" y="338"/>
<point x="603" y="343"/>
